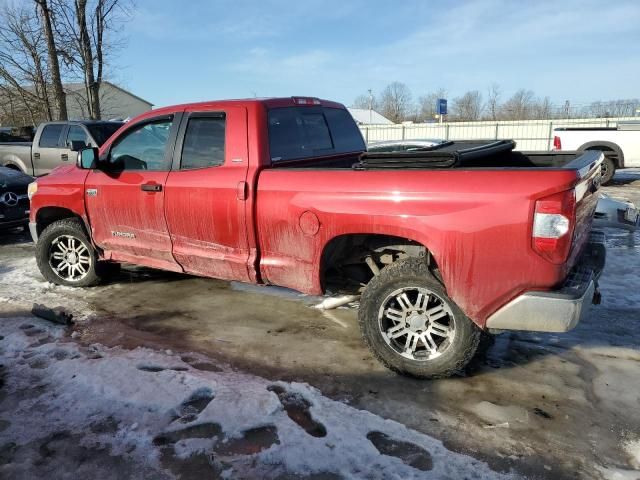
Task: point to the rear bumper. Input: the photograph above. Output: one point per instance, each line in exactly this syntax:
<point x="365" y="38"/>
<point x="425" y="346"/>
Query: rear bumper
<point x="559" y="310"/>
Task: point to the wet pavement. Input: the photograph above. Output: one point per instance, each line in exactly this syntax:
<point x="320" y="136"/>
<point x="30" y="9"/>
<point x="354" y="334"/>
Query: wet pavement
<point x="543" y="405"/>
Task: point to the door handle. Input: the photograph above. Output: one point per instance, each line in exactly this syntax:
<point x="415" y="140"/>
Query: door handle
<point x="64" y="157"/>
<point x="151" y="187"/>
<point x="36" y="155"/>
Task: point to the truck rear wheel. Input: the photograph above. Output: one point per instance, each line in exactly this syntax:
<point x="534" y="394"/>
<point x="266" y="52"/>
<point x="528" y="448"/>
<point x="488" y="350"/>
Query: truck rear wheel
<point x="608" y="170"/>
<point x="412" y="326"/>
<point x="65" y="255"/>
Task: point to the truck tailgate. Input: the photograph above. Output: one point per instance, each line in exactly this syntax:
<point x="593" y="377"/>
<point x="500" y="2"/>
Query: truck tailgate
<point x="586" y="191"/>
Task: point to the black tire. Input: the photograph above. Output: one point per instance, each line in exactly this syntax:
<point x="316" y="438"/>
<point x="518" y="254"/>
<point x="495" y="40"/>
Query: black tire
<point x="69" y="228"/>
<point x="413" y="273"/>
<point x="608" y="170"/>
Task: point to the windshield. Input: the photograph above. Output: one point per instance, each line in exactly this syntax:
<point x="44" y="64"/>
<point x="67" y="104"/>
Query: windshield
<point x="102" y="131"/>
<point x="303" y="132"/>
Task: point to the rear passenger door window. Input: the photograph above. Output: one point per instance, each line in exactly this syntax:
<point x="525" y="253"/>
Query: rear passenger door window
<point x="76" y="134"/>
<point x="50" y="136"/>
<point x="204" y="142"/>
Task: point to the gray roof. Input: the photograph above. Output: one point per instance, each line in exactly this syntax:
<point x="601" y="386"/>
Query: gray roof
<point x="368" y="117"/>
<point x="78" y="87"/>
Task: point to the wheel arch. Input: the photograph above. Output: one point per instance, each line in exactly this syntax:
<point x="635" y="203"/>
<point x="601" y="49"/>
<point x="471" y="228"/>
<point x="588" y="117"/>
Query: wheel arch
<point x="48" y="215"/>
<point x="349" y="249"/>
<point x="605" y="146"/>
<point x="14" y="164"/>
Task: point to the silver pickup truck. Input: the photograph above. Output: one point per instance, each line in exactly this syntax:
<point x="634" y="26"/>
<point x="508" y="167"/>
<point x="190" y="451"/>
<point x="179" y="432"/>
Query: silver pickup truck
<point x="53" y="145"/>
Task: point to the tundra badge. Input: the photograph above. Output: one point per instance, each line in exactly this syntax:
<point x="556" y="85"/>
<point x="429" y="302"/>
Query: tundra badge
<point x="123" y="234"/>
<point x="92" y="192"/>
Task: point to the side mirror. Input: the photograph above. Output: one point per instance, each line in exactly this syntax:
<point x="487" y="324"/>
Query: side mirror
<point x="87" y="158"/>
<point x="76" y="145"/>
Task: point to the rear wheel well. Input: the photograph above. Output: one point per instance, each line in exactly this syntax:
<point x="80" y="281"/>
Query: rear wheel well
<point x="47" y="215"/>
<point x="613" y="152"/>
<point x="13" y="167"/>
<point x="349" y="262"/>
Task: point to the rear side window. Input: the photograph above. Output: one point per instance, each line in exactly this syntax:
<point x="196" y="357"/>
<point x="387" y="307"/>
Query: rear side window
<point x="77" y="134"/>
<point x="51" y="135"/>
<point x="303" y="132"/>
<point x="344" y="131"/>
<point x="203" y="143"/>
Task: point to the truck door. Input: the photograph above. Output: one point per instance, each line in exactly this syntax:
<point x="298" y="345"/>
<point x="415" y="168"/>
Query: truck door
<point x="46" y="148"/>
<point x="206" y="194"/>
<point x="125" y="198"/>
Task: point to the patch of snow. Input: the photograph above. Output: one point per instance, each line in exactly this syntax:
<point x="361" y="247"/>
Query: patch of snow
<point x="632" y="447"/>
<point x="78" y="390"/>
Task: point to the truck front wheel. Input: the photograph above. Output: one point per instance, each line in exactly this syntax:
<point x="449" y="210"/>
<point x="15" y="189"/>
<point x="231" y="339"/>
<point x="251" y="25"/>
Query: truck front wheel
<point x="411" y="325"/>
<point x="65" y="255"/>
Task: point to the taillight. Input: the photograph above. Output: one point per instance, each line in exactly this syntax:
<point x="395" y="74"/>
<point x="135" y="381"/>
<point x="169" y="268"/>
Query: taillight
<point x="553" y="224"/>
<point x="557" y="143"/>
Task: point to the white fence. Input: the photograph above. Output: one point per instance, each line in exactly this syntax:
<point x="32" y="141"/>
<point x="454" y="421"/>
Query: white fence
<point x="529" y="134"/>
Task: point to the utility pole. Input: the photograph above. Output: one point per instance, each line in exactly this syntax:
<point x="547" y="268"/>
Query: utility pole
<point x="370" y="107"/>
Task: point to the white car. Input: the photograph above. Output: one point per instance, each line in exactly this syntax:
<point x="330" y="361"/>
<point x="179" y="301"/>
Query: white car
<point x="621" y="144"/>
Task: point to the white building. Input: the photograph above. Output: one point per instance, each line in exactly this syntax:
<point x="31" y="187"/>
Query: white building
<point x="364" y="116"/>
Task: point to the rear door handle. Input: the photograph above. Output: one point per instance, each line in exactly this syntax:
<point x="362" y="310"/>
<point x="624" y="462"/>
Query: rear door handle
<point x="64" y="157"/>
<point x="36" y="155"/>
<point x="151" y="187"/>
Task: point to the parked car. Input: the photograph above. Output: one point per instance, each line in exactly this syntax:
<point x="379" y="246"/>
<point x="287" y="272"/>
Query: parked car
<point x="620" y="145"/>
<point x="616" y="214"/>
<point x="53" y="145"/>
<point x="281" y="191"/>
<point x="402" y="145"/>
<point x="14" y="203"/>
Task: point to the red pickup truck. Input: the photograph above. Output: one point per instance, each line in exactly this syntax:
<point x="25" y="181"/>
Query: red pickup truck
<point x="443" y="244"/>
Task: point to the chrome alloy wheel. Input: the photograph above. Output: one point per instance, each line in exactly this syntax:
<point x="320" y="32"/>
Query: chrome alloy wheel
<point x="416" y="323"/>
<point x="69" y="258"/>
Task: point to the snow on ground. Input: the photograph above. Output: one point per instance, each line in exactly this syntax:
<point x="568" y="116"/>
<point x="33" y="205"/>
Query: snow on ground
<point x="112" y="413"/>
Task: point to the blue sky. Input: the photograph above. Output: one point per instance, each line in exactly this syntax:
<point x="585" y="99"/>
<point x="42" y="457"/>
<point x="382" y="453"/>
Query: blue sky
<point x="180" y="51"/>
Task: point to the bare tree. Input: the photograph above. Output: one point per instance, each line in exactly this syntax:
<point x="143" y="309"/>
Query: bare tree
<point x="468" y="107"/>
<point x="85" y="28"/>
<point x="427" y="104"/>
<point x="24" y="71"/>
<point x="493" y="101"/>
<point x="519" y="106"/>
<point x="365" y="101"/>
<point x="395" y="102"/>
<point x="542" y="109"/>
<point x="613" y="108"/>
<point x="46" y="15"/>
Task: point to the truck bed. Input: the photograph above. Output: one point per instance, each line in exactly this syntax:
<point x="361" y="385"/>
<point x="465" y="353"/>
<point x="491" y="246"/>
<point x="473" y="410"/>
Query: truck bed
<point x="453" y="155"/>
